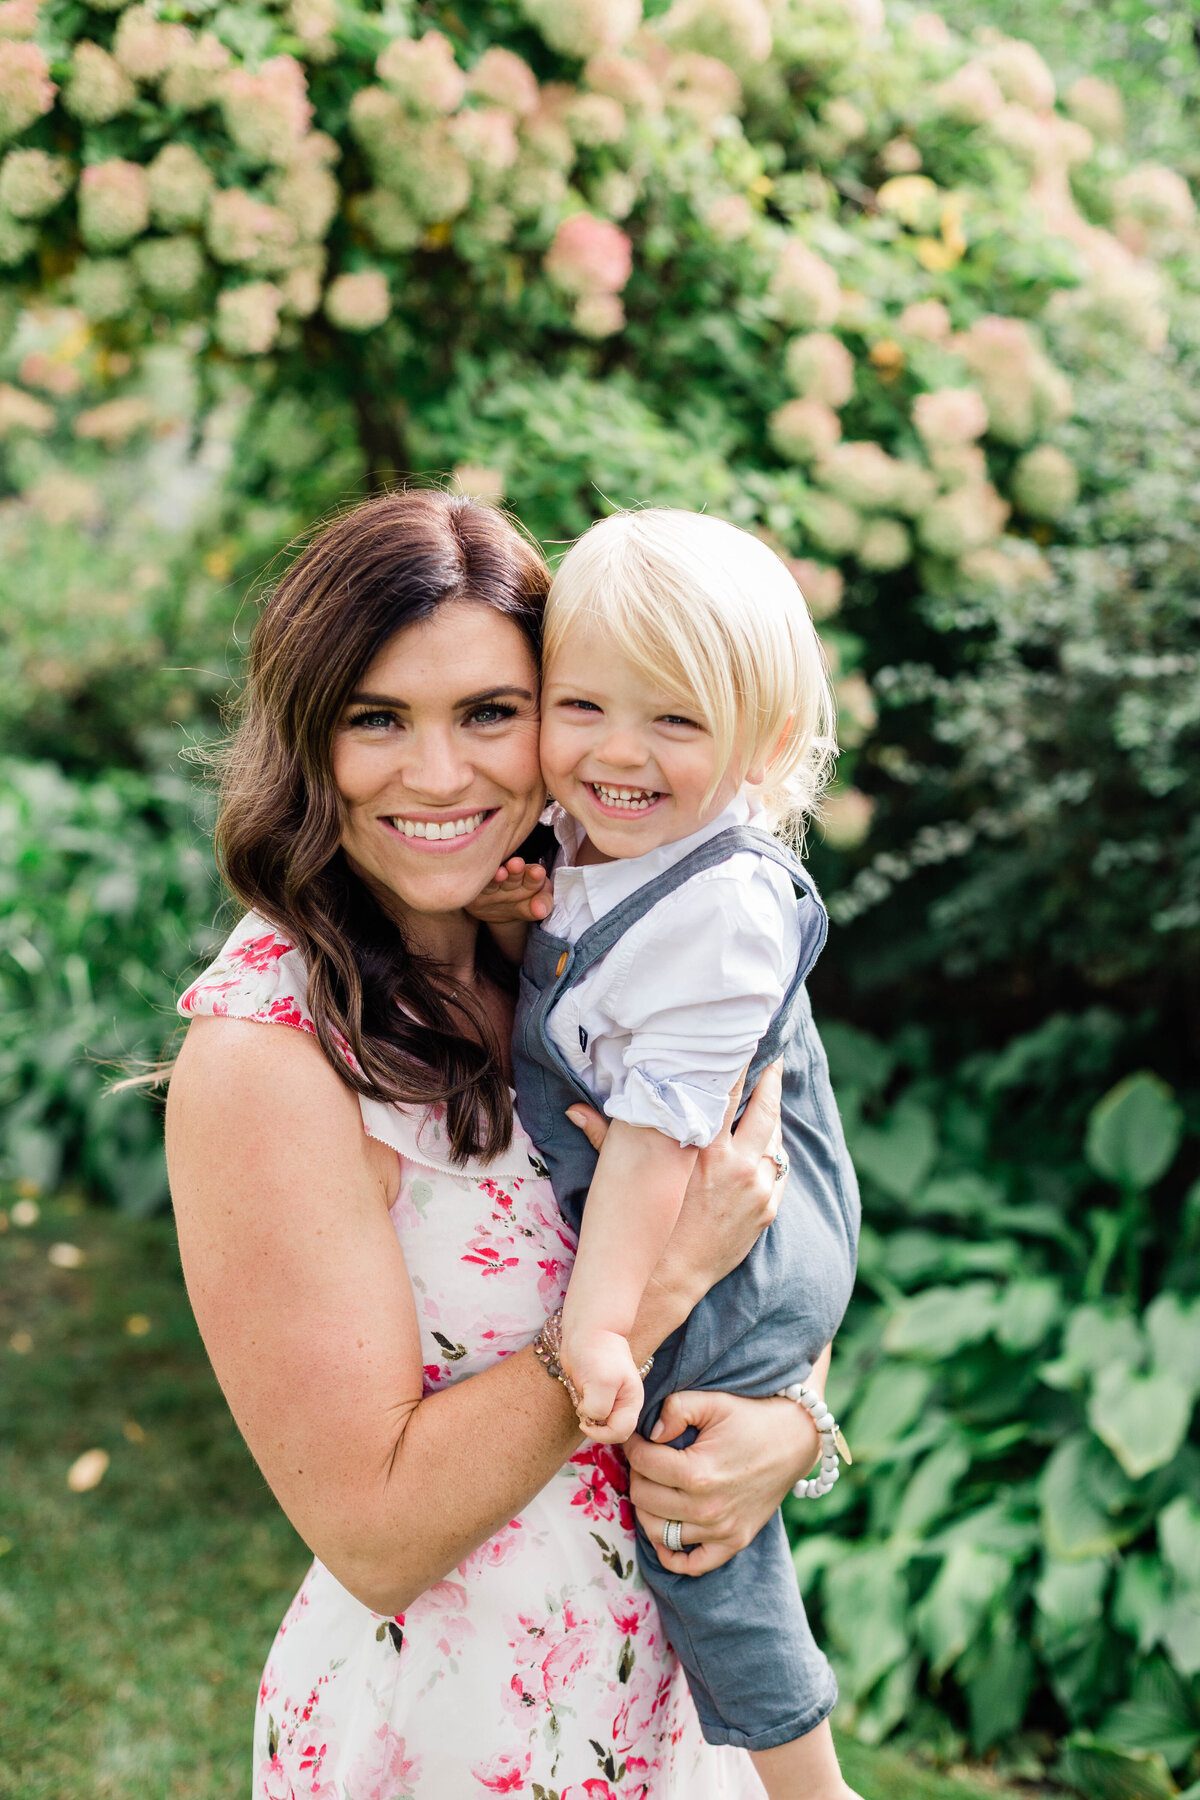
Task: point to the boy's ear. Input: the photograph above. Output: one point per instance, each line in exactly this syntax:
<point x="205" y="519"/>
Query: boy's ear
<point x="758" y="772"/>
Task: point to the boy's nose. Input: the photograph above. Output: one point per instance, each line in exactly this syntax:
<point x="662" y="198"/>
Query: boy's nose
<point x="622" y="750"/>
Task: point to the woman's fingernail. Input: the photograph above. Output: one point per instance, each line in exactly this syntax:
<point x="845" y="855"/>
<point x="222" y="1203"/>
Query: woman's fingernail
<point x="657" y="1432"/>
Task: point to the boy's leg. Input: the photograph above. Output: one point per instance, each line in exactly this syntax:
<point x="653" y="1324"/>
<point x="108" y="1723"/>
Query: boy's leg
<point x="805" y="1769"/>
<point x="753" y="1666"/>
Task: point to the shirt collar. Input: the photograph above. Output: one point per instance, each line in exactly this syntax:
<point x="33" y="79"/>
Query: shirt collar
<point x="605" y="885"/>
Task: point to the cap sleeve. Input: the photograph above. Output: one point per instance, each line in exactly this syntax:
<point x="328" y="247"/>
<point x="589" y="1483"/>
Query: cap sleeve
<point x="258" y="976"/>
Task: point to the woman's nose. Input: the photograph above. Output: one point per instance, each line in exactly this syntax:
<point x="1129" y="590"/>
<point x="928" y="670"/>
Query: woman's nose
<point x="436" y="767"/>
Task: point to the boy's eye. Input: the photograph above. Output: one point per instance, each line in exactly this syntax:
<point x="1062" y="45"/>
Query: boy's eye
<point x="580" y="705"/>
<point x="679" y="719"/>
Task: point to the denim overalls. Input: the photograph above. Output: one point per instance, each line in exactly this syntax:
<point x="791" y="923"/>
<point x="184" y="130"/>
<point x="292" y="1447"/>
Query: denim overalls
<point x="756" y="1674"/>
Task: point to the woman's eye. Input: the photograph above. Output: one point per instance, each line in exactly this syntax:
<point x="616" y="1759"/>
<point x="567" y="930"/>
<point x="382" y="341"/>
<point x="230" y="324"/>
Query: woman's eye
<point x="492" y="714"/>
<point x="371" y="721"/>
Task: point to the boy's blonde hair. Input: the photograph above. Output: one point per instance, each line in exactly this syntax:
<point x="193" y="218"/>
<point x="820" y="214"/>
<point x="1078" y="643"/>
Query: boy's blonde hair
<point x="710" y="612"/>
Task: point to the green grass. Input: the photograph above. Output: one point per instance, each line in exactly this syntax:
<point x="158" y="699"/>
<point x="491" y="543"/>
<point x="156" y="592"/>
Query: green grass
<point x="135" y="1618"/>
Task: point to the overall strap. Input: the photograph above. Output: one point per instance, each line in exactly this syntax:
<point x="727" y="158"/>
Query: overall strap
<point x="599" y="938"/>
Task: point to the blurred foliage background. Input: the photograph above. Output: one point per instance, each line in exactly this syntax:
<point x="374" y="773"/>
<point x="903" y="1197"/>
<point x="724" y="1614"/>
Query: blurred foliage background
<point x="917" y="298"/>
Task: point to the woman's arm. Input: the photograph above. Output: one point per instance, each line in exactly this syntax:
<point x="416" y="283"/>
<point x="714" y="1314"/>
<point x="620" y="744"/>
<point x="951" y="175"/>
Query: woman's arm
<point x="303" y="1300"/>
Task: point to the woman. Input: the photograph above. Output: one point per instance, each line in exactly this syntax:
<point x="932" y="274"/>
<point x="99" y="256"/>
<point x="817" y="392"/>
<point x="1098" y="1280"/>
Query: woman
<point x="370" y="1244"/>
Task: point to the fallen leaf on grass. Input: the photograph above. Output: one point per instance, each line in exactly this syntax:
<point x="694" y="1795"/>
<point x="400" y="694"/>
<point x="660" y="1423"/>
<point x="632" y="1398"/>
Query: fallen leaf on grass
<point x="65" y="1256"/>
<point x="133" y="1431"/>
<point x="21" y="1342"/>
<point x="87" y="1471"/>
<point x="137" y="1325"/>
<point x="26" y="1213"/>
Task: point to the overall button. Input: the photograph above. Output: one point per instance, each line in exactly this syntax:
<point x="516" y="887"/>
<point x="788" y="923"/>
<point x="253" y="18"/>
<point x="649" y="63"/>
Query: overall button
<point x="561" y="964"/>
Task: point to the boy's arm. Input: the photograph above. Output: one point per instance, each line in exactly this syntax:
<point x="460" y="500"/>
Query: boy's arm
<point x="632" y="1206"/>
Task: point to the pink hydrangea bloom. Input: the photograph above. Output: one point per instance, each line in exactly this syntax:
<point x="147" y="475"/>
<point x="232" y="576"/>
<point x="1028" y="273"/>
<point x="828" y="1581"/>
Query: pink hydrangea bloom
<point x="18" y="18"/>
<point x="623" y="78"/>
<point x="598" y="315"/>
<point x="358" y="302"/>
<point x="423" y="74"/>
<point x="248" y="317"/>
<point x="802" y="430"/>
<point x="249" y="233"/>
<point x="927" y="319"/>
<point x="313" y="22"/>
<point x="1156" y="197"/>
<point x="1045" y="483"/>
<point x="804" y="286"/>
<point x="970" y="96"/>
<point x="267" y="113"/>
<point x="885" y="545"/>
<point x="98" y="89"/>
<point x="310" y="197"/>
<point x="20" y="411"/>
<point x="594" y="119"/>
<point x="114" y="204"/>
<point x="505" y="78"/>
<point x="863" y="473"/>
<point x="1021" y="74"/>
<point x="302" y="283"/>
<point x="589" y="256"/>
<point x="730" y="218"/>
<point x="145" y="45"/>
<point x="32" y="183"/>
<point x="950" y="416"/>
<point x="1098" y="105"/>
<point x="846" y="815"/>
<point x="900" y="156"/>
<point x="963" y="521"/>
<point x="821" y="585"/>
<point x="820" y="367"/>
<point x="180" y="187"/>
<point x="703" y="88"/>
<point x="26" y="90"/>
<point x="736" y="32"/>
<point x="487" y="137"/>
<point x="193" y="79"/>
<point x="584" y="27"/>
<point x="169" y="268"/>
<point x="832" y="523"/>
<point x="114" y="422"/>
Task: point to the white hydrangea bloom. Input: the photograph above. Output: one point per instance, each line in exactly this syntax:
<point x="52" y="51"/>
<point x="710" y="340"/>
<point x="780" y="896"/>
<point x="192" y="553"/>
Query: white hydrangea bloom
<point x="803" y="430"/>
<point x="1045" y="483"/>
<point x="247" y="322"/>
<point x="32" y="183"/>
<point x="98" y="89"/>
<point x="181" y="184"/>
<point x="358" y="302"/>
<point x="820" y="367"/>
<point x="114" y="204"/>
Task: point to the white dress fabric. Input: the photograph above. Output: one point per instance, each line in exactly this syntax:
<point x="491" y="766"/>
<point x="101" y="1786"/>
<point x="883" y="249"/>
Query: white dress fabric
<point x="538" y="1667"/>
<point x="662" y="1026"/>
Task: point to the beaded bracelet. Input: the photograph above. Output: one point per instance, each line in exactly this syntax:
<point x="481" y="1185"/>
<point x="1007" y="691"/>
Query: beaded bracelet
<point x="832" y="1441"/>
<point x="547" y="1347"/>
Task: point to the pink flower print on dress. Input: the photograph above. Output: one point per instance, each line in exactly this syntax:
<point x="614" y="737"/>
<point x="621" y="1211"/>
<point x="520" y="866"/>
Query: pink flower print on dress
<point x="499" y="1548"/>
<point x="272" y="1781"/>
<point x="388" y="1773"/>
<point x="570" y="1642"/>
<point x="504" y="1773"/>
<point x="260" y="952"/>
<point x="604" y="1484"/>
<point x="631" y="1611"/>
<point x="490" y="1258"/>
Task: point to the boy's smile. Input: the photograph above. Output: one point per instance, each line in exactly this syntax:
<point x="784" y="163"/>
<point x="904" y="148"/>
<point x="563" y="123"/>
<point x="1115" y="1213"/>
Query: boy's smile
<point x="630" y="760"/>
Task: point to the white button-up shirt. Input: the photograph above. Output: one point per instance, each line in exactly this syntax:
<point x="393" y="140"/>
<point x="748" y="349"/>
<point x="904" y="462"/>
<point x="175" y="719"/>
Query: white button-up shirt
<point x="662" y="1025"/>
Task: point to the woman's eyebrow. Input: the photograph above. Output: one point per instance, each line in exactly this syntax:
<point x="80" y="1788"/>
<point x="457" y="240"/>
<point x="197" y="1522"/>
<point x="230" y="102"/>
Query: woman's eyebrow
<point x="390" y="700"/>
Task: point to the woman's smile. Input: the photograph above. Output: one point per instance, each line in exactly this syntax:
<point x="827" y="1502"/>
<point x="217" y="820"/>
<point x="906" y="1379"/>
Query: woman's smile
<point x="439" y="832"/>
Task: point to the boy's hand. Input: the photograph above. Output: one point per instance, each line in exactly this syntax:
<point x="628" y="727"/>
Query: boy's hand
<point x="520" y="893"/>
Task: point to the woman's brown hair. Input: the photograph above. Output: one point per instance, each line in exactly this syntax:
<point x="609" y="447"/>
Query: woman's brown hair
<point x="389" y="564"/>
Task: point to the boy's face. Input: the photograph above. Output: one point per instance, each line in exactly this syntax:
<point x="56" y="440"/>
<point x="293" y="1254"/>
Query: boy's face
<point x="630" y="760"/>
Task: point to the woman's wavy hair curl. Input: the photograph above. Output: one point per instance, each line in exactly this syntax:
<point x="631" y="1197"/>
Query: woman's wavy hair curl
<point x="388" y="564"/>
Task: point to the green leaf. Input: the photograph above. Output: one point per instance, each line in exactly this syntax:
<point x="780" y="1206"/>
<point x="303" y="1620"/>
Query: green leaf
<point x="1181" y="1639"/>
<point x="1142" y="1418"/>
<point x="1095" y="1336"/>
<point x="1140" y="1602"/>
<point x="866" y="1615"/>
<point x="891" y="1400"/>
<point x="1106" y="1772"/>
<point x="889" y="1702"/>
<point x="1159" y="1715"/>
<point x="856" y="1060"/>
<point x="1179" y="1539"/>
<point x="942" y="1320"/>
<point x="1134" y="1131"/>
<point x="999" y="1684"/>
<point x="897" y="1155"/>
<point x="1173" y="1327"/>
<point x="928" y="1494"/>
<point x="1070" y="1595"/>
<point x="1081" y="1490"/>
<point x="951" y="1613"/>
<point x="1026" y="1312"/>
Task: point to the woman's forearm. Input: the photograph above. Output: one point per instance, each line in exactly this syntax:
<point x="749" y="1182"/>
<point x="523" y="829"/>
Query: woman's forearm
<point x="470" y="1458"/>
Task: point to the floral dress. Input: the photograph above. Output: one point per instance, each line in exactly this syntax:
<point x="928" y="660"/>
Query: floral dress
<point x="538" y="1667"/>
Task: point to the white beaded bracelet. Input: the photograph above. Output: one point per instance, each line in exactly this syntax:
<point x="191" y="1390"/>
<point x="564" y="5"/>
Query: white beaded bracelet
<point x="832" y="1441"/>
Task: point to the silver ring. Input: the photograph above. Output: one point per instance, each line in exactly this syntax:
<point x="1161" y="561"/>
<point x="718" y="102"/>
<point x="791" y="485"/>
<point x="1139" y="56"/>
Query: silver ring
<point x="672" y="1534"/>
<point x="782" y="1163"/>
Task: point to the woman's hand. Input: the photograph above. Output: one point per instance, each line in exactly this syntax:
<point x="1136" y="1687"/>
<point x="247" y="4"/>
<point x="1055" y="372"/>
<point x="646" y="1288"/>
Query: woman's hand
<point x="732" y="1197"/>
<point x="725" y="1486"/>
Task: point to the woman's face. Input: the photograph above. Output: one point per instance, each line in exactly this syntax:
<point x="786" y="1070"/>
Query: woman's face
<point x="436" y="759"/>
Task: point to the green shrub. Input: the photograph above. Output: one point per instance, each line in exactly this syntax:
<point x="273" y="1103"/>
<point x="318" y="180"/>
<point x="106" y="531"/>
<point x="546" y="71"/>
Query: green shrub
<point x="107" y="894"/>
<point x="1019" y="1538"/>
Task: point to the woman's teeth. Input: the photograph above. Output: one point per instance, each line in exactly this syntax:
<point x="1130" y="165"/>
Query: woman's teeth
<point x="449" y="828"/>
<point x="630" y="799"/>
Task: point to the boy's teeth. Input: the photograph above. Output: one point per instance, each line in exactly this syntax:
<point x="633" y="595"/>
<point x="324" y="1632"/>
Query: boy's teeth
<point x="430" y="828"/>
<point x="633" y="799"/>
